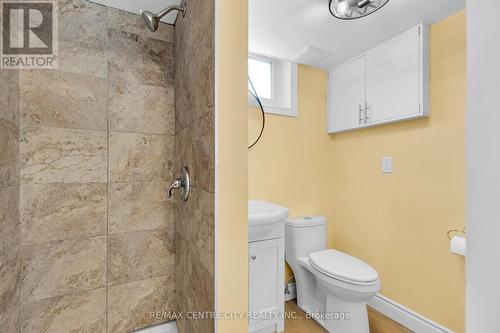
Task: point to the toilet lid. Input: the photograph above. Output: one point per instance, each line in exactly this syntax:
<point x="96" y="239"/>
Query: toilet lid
<point x="343" y="266"/>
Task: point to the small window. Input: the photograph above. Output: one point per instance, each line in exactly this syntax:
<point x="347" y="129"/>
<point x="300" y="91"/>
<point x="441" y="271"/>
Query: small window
<point x="274" y="81"/>
<point x="260" y="72"/>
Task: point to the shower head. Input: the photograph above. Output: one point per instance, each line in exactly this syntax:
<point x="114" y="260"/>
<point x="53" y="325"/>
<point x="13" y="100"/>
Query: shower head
<point x="152" y="20"/>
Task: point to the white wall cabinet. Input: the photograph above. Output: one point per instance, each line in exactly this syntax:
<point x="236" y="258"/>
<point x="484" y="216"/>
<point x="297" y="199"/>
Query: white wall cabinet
<point x="387" y="83"/>
<point x="348" y="93"/>
<point x="266" y="295"/>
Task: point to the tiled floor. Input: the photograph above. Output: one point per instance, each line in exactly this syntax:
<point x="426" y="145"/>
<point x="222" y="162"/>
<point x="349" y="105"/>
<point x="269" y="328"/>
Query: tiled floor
<point x="378" y="322"/>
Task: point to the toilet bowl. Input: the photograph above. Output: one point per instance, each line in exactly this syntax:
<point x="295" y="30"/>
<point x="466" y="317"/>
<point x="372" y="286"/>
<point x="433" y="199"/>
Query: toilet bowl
<point x="332" y="287"/>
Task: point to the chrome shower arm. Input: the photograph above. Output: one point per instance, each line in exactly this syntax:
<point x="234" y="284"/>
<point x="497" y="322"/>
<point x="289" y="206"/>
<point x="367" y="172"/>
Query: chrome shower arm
<point x="181" y="8"/>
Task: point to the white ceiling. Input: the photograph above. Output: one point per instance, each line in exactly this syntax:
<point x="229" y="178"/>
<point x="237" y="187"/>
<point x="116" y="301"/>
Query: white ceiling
<point x="134" y="6"/>
<point x="283" y="28"/>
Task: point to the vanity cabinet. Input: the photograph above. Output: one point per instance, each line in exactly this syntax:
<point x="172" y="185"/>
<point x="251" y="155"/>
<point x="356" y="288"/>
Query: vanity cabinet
<point x="266" y="292"/>
<point x="387" y="83"/>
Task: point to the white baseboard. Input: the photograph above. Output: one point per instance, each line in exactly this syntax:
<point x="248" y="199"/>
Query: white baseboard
<point x="395" y="311"/>
<point x="405" y="316"/>
<point x="169" y="327"/>
<point x="292" y="292"/>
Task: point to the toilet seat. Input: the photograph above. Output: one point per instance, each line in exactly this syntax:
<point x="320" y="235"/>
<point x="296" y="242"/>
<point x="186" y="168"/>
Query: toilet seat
<point x="343" y="267"/>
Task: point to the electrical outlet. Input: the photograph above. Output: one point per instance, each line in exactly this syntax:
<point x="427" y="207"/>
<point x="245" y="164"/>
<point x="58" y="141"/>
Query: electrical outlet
<point x="387" y="164"/>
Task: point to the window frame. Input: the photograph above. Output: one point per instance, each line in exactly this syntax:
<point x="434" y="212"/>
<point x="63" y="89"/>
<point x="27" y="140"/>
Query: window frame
<point x="283" y="87"/>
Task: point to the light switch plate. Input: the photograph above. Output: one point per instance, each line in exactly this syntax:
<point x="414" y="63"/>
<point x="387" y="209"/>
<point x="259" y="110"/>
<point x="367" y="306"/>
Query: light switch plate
<point x="387" y="164"/>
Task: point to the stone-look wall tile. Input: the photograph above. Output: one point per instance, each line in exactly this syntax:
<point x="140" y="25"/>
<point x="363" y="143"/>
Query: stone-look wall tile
<point x="189" y="30"/>
<point x="9" y="201"/>
<point x="195" y="84"/>
<point x="9" y="153"/>
<point x="140" y="255"/>
<point x="82" y="313"/>
<point x="181" y="281"/>
<point x="181" y="250"/>
<point x="59" y="276"/>
<point x="62" y="211"/>
<point x="9" y="96"/>
<point x="9" y="258"/>
<point x="9" y="224"/>
<point x="194" y="288"/>
<point x="195" y="257"/>
<point x="9" y="305"/>
<point x="141" y="109"/>
<point x="58" y="99"/>
<point x="140" y="157"/>
<point x="200" y="295"/>
<point x="138" y="59"/>
<point x="61" y="268"/>
<point x="184" y="114"/>
<point x="51" y="155"/>
<point x="139" y="206"/>
<point x="195" y="147"/>
<point x="134" y="23"/>
<point x="194" y="220"/>
<point x="130" y="305"/>
<point x="202" y="69"/>
<point x="82" y="37"/>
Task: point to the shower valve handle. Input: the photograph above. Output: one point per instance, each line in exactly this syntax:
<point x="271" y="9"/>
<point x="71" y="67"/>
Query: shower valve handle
<point x="176" y="184"/>
<point x="183" y="183"/>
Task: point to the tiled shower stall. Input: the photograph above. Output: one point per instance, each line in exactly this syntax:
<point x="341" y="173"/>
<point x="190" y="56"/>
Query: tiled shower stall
<point x="88" y="240"/>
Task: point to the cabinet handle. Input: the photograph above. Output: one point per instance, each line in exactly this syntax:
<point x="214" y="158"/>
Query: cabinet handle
<point x="253" y="257"/>
<point x="368" y="119"/>
<point x="361" y="113"/>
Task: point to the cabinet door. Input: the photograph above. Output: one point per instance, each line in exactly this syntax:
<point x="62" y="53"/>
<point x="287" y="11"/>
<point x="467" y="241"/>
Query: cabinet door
<point x="393" y="78"/>
<point x="266" y="275"/>
<point x="346" y="95"/>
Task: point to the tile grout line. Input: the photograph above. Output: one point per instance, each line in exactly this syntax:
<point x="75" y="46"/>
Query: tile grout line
<point x="142" y="35"/>
<point x="139" y="181"/>
<point x="142" y="279"/>
<point x="19" y="198"/>
<point x="104" y="78"/>
<point x="193" y="122"/>
<point x="107" y="170"/>
<point x="30" y="126"/>
<point x="87" y="237"/>
<point x="88" y="291"/>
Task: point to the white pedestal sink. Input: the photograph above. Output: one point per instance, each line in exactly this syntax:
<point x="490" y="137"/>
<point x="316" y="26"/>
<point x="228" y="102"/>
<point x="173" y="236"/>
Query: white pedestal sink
<point x="264" y="220"/>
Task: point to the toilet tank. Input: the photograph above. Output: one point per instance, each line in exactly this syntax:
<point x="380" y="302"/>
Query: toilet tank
<point x="303" y="236"/>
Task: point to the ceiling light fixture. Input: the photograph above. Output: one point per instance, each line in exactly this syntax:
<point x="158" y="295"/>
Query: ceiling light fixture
<point x="354" y="9"/>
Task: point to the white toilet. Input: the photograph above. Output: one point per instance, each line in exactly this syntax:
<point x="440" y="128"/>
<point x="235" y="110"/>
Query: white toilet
<point x="331" y="286"/>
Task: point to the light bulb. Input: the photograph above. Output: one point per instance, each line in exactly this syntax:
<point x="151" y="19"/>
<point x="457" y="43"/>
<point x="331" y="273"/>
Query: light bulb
<point x="342" y="7"/>
<point x="353" y="9"/>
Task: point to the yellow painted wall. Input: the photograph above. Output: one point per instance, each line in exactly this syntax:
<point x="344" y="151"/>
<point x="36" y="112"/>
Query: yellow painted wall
<point x="231" y="193"/>
<point x="396" y="222"/>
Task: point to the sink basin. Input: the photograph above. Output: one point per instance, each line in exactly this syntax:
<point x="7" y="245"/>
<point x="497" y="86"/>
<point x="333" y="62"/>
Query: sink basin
<point x="264" y="219"/>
